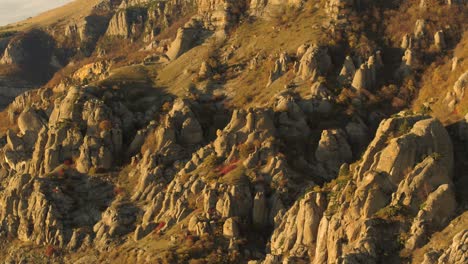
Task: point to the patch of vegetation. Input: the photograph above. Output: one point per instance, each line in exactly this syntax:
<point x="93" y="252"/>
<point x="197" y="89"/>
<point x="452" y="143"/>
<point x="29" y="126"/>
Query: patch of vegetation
<point x="208" y="168"/>
<point x="334" y="190"/>
<point x="392" y="212"/>
<point x="7" y="34"/>
<point x="344" y="171"/>
<point x="247" y="148"/>
<point x="402" y="238"/>
<point x="236" y="176"/>
<point x="422" y="206"/>
<point x="404" y="128"/>
<point x="436" y="156"/>
<point x="212" y="161"/>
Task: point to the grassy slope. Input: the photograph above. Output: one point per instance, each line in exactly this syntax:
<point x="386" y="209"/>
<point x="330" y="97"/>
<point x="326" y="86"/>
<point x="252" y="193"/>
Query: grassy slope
<point x="247" y="88"/>
<point x="442" y="239"/>
<point x="270" y="38"/>
<point x="61" y="15"/>
<point x="438" y="79"/>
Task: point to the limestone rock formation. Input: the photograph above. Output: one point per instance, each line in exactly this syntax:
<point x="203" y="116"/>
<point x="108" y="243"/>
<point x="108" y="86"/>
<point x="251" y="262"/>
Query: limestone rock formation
<point x="333" y="150"/>
<point x="185" y="40"/>
<point x="281" y="66"/>
<point x="296" y="234"/>
<point x="126" y="23"/>
<point x="419" y="28"/>
<point x="156" y="141"/>
<point x="347" y="71"/>
<point x="439" y="40"/>
<point x="454" y="96"/>
<point x="314" y="62"/>
<point x="93" y="71"/>
<point x="407" y="63"/>
<point x="379" y="182"/>
<point x="456" y="253"/>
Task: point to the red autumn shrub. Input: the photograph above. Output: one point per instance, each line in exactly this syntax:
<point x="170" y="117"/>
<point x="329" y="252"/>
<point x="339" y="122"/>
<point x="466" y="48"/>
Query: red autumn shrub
<point x="118" y="191"/>
<point x="223" y="170"/>
<point x="160" y="226"/>
<point x="105" y="125"/>
<point x="49" y="251"/>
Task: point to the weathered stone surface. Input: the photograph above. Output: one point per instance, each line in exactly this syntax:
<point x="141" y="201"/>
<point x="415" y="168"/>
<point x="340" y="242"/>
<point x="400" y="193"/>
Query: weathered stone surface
<point x="314" y="62"/>
<point x="31" y="48"/>
<point x="333" y="150"/>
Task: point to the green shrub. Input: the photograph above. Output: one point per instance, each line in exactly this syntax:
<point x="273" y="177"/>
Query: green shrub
<point x="391" y="212"/>
<point x="7" y="34"/>
<point x="212" y="161"/>
<point x="404" y="128"/>
<point x="436" y="156"/>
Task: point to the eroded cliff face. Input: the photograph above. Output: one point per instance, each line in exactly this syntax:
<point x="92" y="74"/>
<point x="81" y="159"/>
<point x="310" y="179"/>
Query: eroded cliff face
<point x="402" y="187"/>
<point x="217" y="135"/>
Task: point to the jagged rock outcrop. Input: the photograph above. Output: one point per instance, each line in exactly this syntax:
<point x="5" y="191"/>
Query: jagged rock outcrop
<point x="93" y="71"/>
<point x="122" y="169"/>
<point x="347" y="71"/>
<point x="455" y="252"/>
<point x="296" y="233"/>
<point x="457" y="93"/>
<point x="411" y="151"/>
<point x="85" y="32"/>
<point x="219" y="15"/>
<point x="12" y="89"/>
<point x="333" y="150"/>
<point x="116" y="221"/>
<point x="186" y="38"/>
<point x="126" y="23"/>
<point x="366" y="76"/>
<point x="435" y="213"/>
<point x="52" y="212"/>
<point x="45" y="145"/>
<point x="419" y="28"/>
<point x="281" y="66"/>
<point x="230" y="228"/>
<point x="406" y="42"/>
<point x="319" y="91"/>
<point x="314" y="62"/>
<point x="291" y="118"/>
<point x="407" y="64"/>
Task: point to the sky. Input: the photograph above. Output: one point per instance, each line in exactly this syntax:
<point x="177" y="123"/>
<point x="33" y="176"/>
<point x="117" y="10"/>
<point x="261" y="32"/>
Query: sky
<point x="17" y="10"/>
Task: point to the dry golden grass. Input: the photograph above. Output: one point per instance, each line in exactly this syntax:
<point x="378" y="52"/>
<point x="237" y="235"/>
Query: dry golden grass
<point x="246" y="88"/>
<point x="442" y="239"/>
<point x="61" y="16"/>
<point x="438" y="79"/>
<point x="249" y="87"/>
<point x="402" y="21"/>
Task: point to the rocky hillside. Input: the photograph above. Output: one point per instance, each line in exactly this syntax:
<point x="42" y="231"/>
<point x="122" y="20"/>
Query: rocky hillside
<point x="235" y="131"/>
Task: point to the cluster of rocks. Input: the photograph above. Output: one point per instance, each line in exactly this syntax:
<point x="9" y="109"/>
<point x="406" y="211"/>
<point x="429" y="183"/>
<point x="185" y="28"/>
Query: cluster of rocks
<point x="457" y="93"/>
<point x="454" y="253"/>
<point x="58" y="169"/>
<point x="389" y="176"/>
